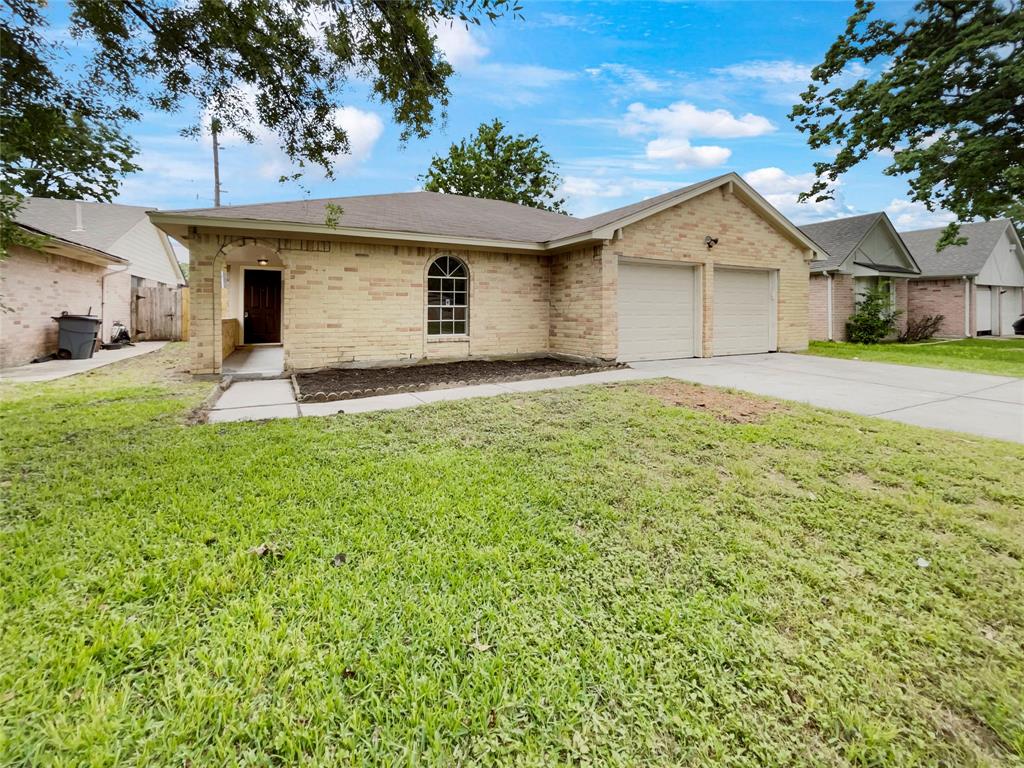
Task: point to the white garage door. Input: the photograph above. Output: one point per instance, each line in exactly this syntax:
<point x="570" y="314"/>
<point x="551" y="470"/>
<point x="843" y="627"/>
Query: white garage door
<point x="656" y="311"/>
<point x="983" y="310"/>
<point x="1009" y="309"/>
<point x="744" y="312"/>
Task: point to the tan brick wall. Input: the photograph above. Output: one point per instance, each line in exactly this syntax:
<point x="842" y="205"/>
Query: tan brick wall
<point x="817" y="308"/>
<point x="583" y="314"/>
<point x="35" y="287"/>
<point x="900" y="288"/>
<point x="205" y="334"/>
<point x="366" y="303"/>
<point x="745" y="239"/>
<point x="844" y="303"/>
<point x="940" y="297"/>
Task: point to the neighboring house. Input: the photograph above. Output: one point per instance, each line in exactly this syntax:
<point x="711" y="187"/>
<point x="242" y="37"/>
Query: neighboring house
<point x="860" y="253"/>
<point x="710" y="269"/>
<point x="93" y="257"/>
<point x="978" y="287"/>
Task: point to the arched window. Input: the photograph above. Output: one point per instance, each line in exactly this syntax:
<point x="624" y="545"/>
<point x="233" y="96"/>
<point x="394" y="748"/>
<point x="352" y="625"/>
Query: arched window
<point x="447" y="297"/>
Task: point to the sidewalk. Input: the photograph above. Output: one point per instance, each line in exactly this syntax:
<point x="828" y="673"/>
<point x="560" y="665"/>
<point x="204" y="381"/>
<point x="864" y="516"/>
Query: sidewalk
<point x="257" y="400"/>
<point x="52" y="370"/>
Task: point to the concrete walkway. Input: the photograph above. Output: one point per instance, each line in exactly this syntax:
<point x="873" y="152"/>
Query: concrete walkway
<point x="978" y="404"/>
<point x="255" y="362"/>
<point x="256" y="400"/>
<point x="58" y="369"/>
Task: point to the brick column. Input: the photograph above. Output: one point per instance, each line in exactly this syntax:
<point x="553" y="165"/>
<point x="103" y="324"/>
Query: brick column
<point x="205" y="304"/>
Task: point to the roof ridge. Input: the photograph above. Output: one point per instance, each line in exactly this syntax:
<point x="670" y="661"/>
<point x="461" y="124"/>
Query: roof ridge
<point x="1001" y="219"/>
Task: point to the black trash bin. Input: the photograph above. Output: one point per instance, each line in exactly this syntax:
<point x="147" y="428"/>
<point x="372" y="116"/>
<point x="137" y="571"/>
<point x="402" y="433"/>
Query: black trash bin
<point x="77" y="338"/>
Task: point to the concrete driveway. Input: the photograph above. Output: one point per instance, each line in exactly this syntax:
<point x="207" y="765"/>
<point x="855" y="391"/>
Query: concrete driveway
<point x="979" y="404"/>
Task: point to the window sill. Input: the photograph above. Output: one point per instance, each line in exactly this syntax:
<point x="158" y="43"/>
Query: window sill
<point x="448" y="337"/>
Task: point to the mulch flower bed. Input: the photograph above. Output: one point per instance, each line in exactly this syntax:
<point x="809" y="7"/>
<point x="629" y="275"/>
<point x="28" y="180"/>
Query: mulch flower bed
<point x="351" y="383"/>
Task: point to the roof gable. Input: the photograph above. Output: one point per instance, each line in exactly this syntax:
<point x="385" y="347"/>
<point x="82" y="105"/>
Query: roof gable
<point x="122" y="231"/>
<point x="957" y="260"/>
<point x="868" y="240"/>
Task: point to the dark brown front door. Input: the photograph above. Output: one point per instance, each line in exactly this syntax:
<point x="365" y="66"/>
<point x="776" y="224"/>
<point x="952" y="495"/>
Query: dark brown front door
<point x="262" y="307"/>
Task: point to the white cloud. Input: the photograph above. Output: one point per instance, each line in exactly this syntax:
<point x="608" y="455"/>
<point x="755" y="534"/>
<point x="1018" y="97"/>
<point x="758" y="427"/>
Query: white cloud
<point x="781" y="190"/>
<point x="767" y="71"/>
<point x="685" y="155"/>
<point x="684" y="120"/>
<point x="908" y="215"/>
<point x="607" y="188"/>
<point x="625" y="80"/>
<point x="674" y="127"/>
<point x="460" y="48"/>
<point x="581" y="186"/>
<point x="516" y="84"/>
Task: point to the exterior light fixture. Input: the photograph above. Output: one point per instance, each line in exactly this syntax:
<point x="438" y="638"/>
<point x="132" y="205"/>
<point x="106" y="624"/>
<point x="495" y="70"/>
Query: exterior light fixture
<point x="262" y="262"/>
<point x="710" y="241"/>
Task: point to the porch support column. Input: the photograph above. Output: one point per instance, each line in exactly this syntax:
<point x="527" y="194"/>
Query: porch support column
<point x="205" y="304"/>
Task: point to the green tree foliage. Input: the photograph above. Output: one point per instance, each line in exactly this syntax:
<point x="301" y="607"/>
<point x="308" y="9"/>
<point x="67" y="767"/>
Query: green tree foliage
<point x="874" y="318"/>
<point x="281" y="64"/>
<point x="944" y="102"/>
<point x="498" y="166"/>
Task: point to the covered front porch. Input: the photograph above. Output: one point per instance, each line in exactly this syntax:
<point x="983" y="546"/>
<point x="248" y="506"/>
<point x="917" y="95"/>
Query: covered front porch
<point x="237" y="306"/>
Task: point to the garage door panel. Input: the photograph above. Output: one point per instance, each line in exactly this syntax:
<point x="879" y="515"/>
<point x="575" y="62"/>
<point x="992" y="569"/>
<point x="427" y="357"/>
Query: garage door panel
<point x="743" y="312"/>
<point x="983" y="310"/>
<point x="1009" y="309"/>
<point x="656" y="311"/>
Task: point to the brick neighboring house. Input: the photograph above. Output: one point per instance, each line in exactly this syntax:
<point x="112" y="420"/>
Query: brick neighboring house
<point x="862" y="252"/>
<point x="92" y="256"/>
<point x="708" y="269"/>
<point x="978" y="288"/>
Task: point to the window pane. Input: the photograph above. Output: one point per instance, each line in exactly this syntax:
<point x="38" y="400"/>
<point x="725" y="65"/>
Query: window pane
<point x="459" y="314"/>
<point x="434" y="284"/>
<point x="433" y="328"/>
<point x="459" y="326"/>
<point x="459" y="299"/>
<point x="433" y="313"/>
<point x="433" y="298"/>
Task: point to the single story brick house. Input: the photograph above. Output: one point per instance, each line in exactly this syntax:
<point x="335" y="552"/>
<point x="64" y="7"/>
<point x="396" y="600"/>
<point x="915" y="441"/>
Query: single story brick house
<point x="709" y="269"/>
<point x="91" y="257"/>
<point x="978" y="287"/>
<point x="861" y="252"/>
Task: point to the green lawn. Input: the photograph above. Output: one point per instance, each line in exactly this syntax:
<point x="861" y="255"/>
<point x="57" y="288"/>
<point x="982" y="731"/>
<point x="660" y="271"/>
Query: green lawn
<point x="576" y="577"/>
<point x="1004" y="357"/>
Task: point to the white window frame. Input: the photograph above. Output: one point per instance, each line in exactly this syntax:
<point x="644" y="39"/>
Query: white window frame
<point x="441" y="333"/>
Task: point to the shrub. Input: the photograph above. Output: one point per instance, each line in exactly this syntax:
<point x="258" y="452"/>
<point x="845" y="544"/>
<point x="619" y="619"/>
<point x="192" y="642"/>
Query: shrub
<point x="921" y="329"/>
<point x="874" y="319"/>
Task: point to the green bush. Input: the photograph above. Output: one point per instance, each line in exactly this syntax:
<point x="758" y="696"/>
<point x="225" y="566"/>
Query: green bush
<point x="874" y="319"/>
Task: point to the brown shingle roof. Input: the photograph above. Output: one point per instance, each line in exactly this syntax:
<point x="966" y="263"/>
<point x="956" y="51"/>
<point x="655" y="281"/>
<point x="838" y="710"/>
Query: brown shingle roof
<point x="430" y="213"/>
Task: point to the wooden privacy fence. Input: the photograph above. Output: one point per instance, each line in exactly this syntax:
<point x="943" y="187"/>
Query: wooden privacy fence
<point x="157" y="313"/>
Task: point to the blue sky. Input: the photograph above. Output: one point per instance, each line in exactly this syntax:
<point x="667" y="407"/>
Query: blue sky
<point x="632" y="99"/>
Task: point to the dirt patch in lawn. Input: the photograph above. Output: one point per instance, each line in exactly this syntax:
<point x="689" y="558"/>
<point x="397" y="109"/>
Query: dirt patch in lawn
<point x="725" y="406"/>
<point x="351" y="383"/>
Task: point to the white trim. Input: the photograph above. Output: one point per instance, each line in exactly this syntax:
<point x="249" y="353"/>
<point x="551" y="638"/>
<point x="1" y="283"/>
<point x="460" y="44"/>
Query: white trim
<point x="968" y="285"/>
<point x="828" y="304"/>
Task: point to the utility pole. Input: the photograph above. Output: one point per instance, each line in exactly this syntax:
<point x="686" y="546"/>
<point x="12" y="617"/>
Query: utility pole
<point x="216" y="164"/>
